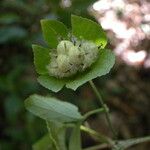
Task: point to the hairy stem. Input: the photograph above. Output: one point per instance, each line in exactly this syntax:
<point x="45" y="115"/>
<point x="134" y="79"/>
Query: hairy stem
<point x="104" y="107"/>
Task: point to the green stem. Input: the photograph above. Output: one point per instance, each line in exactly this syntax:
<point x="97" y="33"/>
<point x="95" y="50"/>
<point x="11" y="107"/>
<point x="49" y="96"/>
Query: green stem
<point x="93" y="112"/>
<point x="130" y="142"/>
<point x="100" y="137"/>
<point x="104" y="107"/>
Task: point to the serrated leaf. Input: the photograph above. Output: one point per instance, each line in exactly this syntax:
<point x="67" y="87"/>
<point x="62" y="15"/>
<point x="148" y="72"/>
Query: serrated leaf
<point x="84" y="28"/>
<point x="41" y="58"/>
<point x="43" y="144"/>
<point x="75" y="139"/>
<point x="51" y="83"/>
<point x="51" y="109"/>
<point x="102" y="66"/>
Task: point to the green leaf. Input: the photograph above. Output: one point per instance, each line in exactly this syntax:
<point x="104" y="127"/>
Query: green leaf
<point x="50" y="35"/>
<point x="121" y="145"/>
<point x="57" y="26"/>
<point x="43" y="144"/>
<point x="51" y="109"/>
<point x="51" y="83"/>
<point x="75" y="139"/>
<point x="41" y="58"/>
<point x="52" y="31"/>
<point x="102" y="66"/>
<point x="87" y="29"/>
<point x="57" y="133"/>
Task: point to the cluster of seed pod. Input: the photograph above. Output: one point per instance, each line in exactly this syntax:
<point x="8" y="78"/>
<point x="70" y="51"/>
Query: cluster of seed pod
<point x="70" y="58"/>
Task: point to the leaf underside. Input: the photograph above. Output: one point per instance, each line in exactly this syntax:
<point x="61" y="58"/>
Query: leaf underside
<point x="52" y="109"/>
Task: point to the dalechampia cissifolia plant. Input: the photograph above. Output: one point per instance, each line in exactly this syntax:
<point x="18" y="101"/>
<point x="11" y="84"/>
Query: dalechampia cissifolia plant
<point x="70" y="59"/>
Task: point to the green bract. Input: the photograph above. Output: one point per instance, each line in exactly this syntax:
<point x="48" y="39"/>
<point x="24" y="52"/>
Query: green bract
<point x="76" y="59"/>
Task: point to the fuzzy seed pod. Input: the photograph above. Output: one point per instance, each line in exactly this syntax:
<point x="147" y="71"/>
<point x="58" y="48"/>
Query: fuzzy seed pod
<point x="53" y="67"/>
<point x="63" y="63"/>
<point x="91" y="53"/>
<point x="64" y="46"/>
<point x="70" y="59"/>
<point x="76" y="55"/>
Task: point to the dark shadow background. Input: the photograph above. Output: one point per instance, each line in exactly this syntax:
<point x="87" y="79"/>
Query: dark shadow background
<point x="125" y="89"/>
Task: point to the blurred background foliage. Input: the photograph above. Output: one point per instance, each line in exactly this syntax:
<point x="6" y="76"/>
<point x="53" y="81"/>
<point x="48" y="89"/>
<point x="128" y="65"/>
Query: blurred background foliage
<point x="19" y="28"/>
<point x="126" y="88"/>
